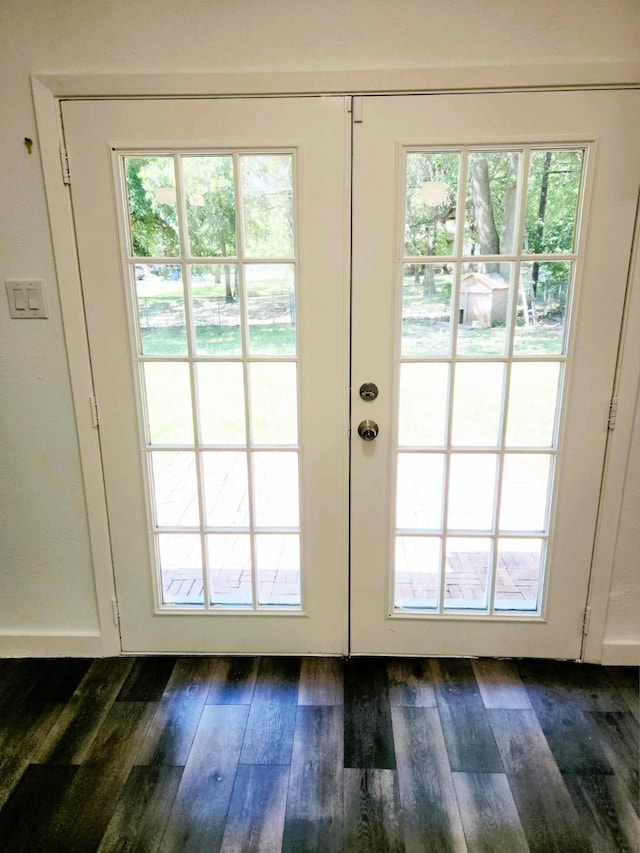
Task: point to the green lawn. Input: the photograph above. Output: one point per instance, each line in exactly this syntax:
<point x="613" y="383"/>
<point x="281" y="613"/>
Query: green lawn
<point x="432" y="338"/>
<point x="270" y="339"/>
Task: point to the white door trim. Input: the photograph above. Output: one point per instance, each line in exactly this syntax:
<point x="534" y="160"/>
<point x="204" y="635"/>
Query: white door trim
<point x="387" y="81"/>
<point x="48" y="89"/>
<point x="79" y="360"/>
<point x="596" y="648"/>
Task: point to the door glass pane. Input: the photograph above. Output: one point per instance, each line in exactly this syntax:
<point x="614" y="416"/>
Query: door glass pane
<point x="221" y="403"/>
<point x="431" y="199"/>
<point x="161" y="317"/>
<point x="503" y="311"/>
<point x="423" y="404"/>
<point x="180" y="558"/>
<point x="553" y="188"/>
<point x="419" y="491"/>
<point x="544" y="292"/>
<point x="519" y="574"/>
<point x="225" y="489"/>
<point x="271" y="308"/>
<point x="274" y="410"/>
<point x="210" y="204"/>
<point x="275" y="496"/>
<point x="209" y="325"/>
<point x="466" y="571"/>
<point x="417" y="571"/>
<point x="533" y="400"/>
<point x="175" y="488"/>
<point x="525" y="485"/>
<point x="168" y="397"/>
<point x="278" y="562"/>
<point x="483" y="308"/>
<point x="216" y="309"/>
<point x="229" y="556"/>
<point x="477" y="402"/>
<point x="426" y="309"/>
<point x="472" y="482"/>
<point x="267" y="205"/>
<point x="492" y="204"/>
<point x="152" y="202"/>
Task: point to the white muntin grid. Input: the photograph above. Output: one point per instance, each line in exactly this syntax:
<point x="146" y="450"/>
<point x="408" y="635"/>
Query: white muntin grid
<point x="491" y="535"/>
<point x="192" y="359"/>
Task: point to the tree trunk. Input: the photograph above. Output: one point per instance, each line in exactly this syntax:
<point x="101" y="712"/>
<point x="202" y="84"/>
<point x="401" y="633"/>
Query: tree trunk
<point x="542" y="208"/>
<point x="487" y="231"/>
<point x="228" y="293"/>
<point x="429" y="281"/>
<point x="507" y="238"/>
<point x="227" y="284"/>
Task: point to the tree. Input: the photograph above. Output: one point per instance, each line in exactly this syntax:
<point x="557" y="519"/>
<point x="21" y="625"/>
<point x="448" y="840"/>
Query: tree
<point x="427" y="229"/>
<point x="551" y="214"/>
<point x="211" y="210"/>
<point x="267" y="197"/>
<point x="154" y="231"/>
<point x="480" y="185"/>
<point x="210" y="207"/>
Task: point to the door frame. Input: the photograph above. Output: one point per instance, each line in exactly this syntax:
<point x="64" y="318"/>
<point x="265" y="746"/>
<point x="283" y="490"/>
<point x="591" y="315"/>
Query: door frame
<point x="49" y="89"/>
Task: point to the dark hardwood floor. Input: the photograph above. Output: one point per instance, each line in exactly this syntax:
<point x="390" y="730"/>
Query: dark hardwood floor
<point x="242" y="754"/>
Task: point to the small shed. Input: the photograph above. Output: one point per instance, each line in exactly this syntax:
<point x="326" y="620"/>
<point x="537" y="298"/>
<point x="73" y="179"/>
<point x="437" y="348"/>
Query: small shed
<point x="483" y="299"/>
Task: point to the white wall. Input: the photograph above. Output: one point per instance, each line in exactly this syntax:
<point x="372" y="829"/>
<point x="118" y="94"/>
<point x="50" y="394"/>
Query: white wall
<point x="46" y="580"/>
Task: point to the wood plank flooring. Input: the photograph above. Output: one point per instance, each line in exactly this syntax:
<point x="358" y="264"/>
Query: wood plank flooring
<point x="317" y="754"/>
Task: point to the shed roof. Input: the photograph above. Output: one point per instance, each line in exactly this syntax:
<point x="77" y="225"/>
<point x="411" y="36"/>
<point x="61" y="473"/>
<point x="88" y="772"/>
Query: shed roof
<point x="480" y="282"/>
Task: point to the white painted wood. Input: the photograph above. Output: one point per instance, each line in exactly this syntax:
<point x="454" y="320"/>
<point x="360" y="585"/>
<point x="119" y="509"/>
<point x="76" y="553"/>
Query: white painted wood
<point x="319" y="129"/>
<point x="70" y="293"/>
<point x="619" y="446"/>
<point x="611" y="121"/>
<point x="370" y="81"/>
<point x="619" y="653"/>
<point x="44" y="86"/>
<point x="72" y="645"/>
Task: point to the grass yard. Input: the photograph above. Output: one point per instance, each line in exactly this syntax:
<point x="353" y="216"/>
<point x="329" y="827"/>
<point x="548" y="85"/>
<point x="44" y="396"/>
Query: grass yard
<point x="273" y="339"/>
<point x="432" y="338"/>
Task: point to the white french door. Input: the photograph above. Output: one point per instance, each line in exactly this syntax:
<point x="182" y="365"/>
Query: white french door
<point x="212" y="238"/>
<point x="490" y="240"/>
<point x="487" y="309"/>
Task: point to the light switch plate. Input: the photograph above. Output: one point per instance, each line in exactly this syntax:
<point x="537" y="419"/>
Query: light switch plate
<point x="26" y="299"/>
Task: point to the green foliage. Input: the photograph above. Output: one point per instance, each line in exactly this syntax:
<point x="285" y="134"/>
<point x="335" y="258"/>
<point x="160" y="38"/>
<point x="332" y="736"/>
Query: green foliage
<point x="500" y="195"/>
<point x="428" y="230"/>
<point x="555" y="231"/>
<point x="211" y="206"/>
<point x="154" y="225"/>
<point x="266" y="182"/>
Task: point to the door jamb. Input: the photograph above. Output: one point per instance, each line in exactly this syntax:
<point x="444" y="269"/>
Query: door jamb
<point x="596" y="648"/>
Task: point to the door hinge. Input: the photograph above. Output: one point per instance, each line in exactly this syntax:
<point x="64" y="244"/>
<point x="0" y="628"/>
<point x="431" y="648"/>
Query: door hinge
<point x="356" y="109"/>
<point x="115" y="609"/>
<point x="586" y="620"/>
<point x="613" y="413"/>
<point x="95" y="419"/>
<point x="64" y="163"/>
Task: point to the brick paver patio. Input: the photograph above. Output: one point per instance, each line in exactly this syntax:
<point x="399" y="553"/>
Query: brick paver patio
<point x="275" y="505"/>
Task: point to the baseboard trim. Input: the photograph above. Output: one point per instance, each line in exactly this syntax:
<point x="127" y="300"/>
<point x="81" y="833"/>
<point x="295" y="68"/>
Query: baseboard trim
<point x="51" y="645"/>
<point x="621" y="654"/>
